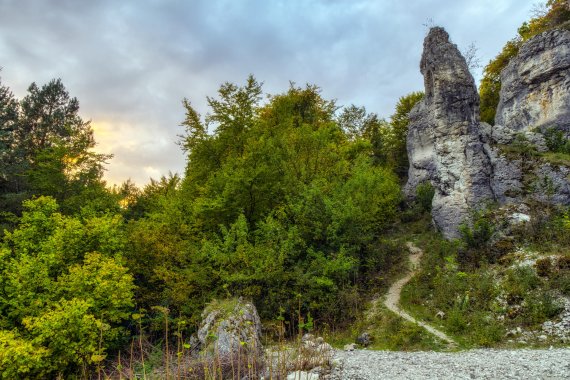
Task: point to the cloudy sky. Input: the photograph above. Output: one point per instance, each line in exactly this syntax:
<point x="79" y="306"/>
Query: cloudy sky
<point x="130" y="62"/>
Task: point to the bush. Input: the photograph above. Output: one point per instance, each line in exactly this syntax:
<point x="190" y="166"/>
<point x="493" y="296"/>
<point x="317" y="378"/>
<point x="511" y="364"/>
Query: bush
<point x="20" y="358"/>
<point x="424" y="196"/>
<point x="538" y="307"/>
<point x="563" y="263"/>
<point x="562" y="282"/>
<point x="479" y="233"/>
<point x="543" y="267"/>
<point x="65" y="292"/>
<point x="521" y="280"/>
<point x="556" y="140"/>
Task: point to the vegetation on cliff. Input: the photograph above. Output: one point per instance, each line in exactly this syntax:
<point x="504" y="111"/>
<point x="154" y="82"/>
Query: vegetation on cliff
<point x="555" y="14"/>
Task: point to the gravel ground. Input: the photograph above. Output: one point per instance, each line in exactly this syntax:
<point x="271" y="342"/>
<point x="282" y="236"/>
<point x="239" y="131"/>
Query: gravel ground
<point x="473" y="364"/>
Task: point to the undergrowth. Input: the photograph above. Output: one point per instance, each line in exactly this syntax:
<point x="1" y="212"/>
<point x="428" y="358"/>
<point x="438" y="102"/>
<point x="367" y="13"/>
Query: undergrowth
<point x="478" y="296"/>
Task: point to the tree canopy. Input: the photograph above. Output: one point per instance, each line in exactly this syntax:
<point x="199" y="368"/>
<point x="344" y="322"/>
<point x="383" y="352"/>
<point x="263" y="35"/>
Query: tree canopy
<point x="47" y="149"/>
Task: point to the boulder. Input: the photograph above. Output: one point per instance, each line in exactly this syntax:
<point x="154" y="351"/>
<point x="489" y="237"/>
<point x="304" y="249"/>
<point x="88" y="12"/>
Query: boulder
<point x="535" y="85"/>
<point x="315" y="352"/>
<point x="364" y="339"/>
<point x="228" y="327"/>
<point x="350" y="347"/>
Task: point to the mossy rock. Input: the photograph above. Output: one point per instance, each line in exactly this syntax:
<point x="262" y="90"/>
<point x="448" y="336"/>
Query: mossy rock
<point x="230" y="328"/>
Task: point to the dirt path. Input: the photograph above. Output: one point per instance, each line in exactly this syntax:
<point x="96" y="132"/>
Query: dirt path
<point x="393" y="296"/>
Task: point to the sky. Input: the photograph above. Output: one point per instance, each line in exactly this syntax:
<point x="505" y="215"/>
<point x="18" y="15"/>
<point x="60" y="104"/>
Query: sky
<point x="131" y="62"/>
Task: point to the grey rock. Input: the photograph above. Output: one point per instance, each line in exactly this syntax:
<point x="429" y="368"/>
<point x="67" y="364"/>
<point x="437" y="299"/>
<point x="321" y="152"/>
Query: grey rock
<point x="535" y="85"/>
<point x="195" y="346"/>
<point x="519" y="218"/>
<point x="506" y="176"/>
<point x="421" y="151"/>
<point x="364" y="339"/>
<point x="302" y="375"/>
<point x="225" y="332"/>
<point x="324" y="348"/>
<point x="315" y="352"/>
<point x="309" y="345"/>
<point x="536" y="140"/>
<point x="350" y="347"/>
<point x="465" y="159"/>
<point x="501" y="134"/>
<point x="445" y="144"/>
<point x="307" y="338"/>
<point x="551" y="184"/>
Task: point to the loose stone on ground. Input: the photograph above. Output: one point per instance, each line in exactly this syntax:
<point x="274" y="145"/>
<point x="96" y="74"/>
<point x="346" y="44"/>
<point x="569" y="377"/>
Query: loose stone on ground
<point x="473" y="364"/>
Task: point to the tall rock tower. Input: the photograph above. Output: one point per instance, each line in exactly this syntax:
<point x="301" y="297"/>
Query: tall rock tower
<point x="444" y="142"/>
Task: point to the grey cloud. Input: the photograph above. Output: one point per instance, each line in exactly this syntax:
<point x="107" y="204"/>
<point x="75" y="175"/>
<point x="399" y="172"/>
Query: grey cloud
<point x="131" y="62"/>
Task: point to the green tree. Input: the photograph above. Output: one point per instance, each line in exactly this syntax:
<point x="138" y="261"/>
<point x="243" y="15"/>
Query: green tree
<point x="64" y="291"/>
<point x="359" y="125"/>
<point x="47" y="150"/>
<point x="57" y="143"/>
<point x="399" y="123"/>
<point x="277" y="201"/>
<point x="138" y="203"/>
<point x="11" y="162"/>
<point x="490" y="86"/>
<point x="8" y="123"/>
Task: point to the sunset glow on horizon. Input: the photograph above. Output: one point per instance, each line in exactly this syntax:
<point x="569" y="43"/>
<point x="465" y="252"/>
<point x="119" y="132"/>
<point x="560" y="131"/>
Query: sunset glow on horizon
<point x="131" y="63"/>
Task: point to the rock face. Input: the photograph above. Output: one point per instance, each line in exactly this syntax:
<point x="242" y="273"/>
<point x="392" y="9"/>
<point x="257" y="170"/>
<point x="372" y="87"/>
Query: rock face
<point x="470" y="163"/>
<point x="535" y="85"/>
<point x="229" y="327"/>
<point x="534" y="97"/>
<point x="445" y="144"/>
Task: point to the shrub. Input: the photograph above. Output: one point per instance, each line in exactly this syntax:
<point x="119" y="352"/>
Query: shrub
<point x="479" y="233"/>
<point x="520" y="280"/>
<point x="538" y="307"/>
<point x="20" y="358"/>
<point x="563" y="263"/>
<point x="424" y="196"/>
<point x="562" y="282"/>
<point x="543" y="267"/>
<point x="556" y="140"/>
<point x="476" y="239"/>
<point x="65" y="292"/>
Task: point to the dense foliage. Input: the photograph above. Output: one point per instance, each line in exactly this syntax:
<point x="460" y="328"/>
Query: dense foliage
<point x="64" y="291"/>
<point x="284" y="200"/>
<point x="278" y="204"/>
<point x="46" y="149"/>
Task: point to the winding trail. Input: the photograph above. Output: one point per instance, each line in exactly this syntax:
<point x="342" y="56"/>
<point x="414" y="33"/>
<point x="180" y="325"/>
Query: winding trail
<point x="485" y="364"/>
<point x="393" y="296"/>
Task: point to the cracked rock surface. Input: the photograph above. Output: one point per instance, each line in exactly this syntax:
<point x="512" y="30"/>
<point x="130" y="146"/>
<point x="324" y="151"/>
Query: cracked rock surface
<point x="535" y="85"/>
<point x="445" y="145"/>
